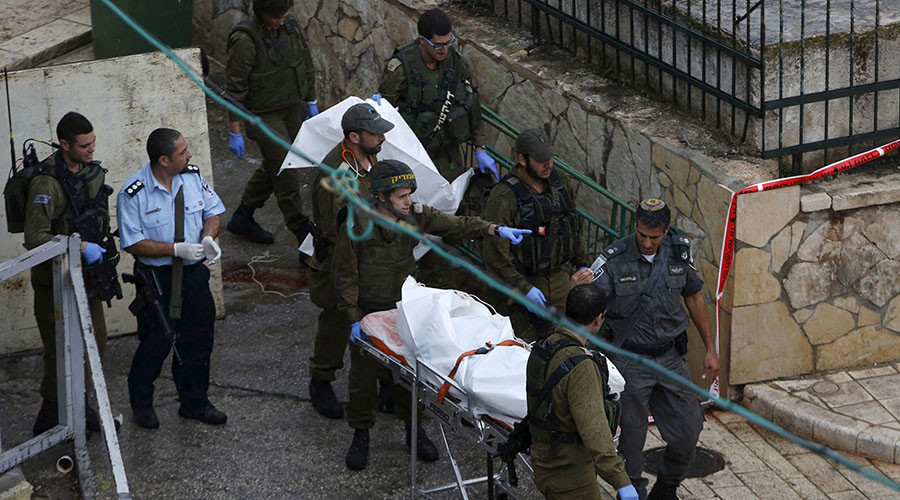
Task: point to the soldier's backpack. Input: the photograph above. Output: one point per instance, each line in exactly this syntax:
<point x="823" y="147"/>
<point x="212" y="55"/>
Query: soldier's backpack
<point x="15" y="194"/>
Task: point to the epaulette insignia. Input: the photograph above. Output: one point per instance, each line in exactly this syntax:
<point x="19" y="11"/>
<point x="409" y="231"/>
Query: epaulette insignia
<point x="682" y="240"/>
<point x="191" y="169"/>
<point x="134" y="188"/>
<point x="614" y="250"/>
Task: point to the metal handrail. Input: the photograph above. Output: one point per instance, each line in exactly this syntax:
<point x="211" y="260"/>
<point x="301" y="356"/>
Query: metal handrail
<point x="596" y="234"/>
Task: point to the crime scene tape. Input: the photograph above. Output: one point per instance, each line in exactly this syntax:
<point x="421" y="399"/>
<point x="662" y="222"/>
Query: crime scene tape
<point x="727" y="256"/>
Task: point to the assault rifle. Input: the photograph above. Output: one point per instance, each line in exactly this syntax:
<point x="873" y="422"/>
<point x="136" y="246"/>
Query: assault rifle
<point x="148" y="293"/>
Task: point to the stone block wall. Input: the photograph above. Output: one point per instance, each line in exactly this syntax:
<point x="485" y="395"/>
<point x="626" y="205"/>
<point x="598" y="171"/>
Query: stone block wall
<point x="816" y="279"/>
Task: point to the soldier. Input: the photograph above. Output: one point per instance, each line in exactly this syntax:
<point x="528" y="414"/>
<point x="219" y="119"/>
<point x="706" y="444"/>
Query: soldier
<point x="370" y="278"/>
<point x="364" y="131"/>
<point x="168" y="219"/>
<point x="571" y="438"/>
<point x="646" y="275"/>
<point x="431" y="85"/>
<point x="270" y="71"/>
<point x="71" y="183"/>
<point x="535" y="196"/>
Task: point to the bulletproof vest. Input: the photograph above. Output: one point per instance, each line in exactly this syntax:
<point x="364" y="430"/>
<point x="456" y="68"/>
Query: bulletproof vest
<point x="426" y="95"/>
<point x="385" y="259"/>
<point x="552" y="219"/>
<point x="540" y="380"/>
<point x="281" y="74"/>
<point x="88" y="198"/>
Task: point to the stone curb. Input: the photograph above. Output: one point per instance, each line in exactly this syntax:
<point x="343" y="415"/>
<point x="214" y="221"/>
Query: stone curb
<point x="13" y="485"/>
<point x="42" y="44"/>
<point x="822" y="425"/>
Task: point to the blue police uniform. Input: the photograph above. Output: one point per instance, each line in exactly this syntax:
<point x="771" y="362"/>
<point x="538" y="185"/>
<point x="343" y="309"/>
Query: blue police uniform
<point x="146" y="210"/>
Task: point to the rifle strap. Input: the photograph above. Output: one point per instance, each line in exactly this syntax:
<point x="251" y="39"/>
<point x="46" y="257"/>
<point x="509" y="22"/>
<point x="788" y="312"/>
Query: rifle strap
<point x="452" y="81"/>
<point x="177" y="262"/>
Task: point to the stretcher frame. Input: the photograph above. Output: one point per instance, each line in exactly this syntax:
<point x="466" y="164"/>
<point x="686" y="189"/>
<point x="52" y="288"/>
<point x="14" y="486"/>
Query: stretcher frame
<point x="456" y="414"/>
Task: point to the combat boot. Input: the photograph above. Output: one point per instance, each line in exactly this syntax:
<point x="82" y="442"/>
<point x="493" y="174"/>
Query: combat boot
<point x="425" y="448"/>
<point x="663" y="491"/>
<point x="323" y="399"/>
<point x="47" y="417"/>
<point x="358" y="454"/>
<point x="243" y="224"/>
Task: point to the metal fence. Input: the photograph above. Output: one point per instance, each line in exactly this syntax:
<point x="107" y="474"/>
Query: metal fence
<point x="790" y="77"/>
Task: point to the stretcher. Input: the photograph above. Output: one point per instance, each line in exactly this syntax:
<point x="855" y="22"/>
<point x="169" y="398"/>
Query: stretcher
<point x="454" y="410"/>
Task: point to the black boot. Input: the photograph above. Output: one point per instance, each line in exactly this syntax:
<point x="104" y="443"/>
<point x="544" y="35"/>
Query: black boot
<point x="146" y="417"/>
<point x="323" y="400"/>
<point x="385" y="397"/>
<point x="92" y="419"/>
<point x="47" y="417"/>
<point x="425" y="449"/>
<point x="663" y="491"/>
<point x="358" y="454"/>
<point x="242" y="224"/>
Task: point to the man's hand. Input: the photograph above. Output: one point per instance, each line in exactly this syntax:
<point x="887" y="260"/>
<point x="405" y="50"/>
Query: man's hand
<point x="514" y="235"/>
<point x="536" y="296"/>
<point x="628" y="493"/>
<point x="236" y="144"/>
<point x="211" y="250"/>
<point x="92" y="252"/>
<point x="377" y="98"/>
<point x="485" y="162"/>
<point x="356" y="333"/>
<point x="710" y="365"/>
<point x="313" y="109"/>
<point x="582" y="275"/>
<point x="188" y="251"/>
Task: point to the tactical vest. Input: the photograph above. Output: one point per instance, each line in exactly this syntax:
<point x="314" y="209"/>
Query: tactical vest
<point x="426" y="97"/>
<point x="280" y="76"/>
<point x="383" y="265"/>
<point x="88" y="198"/>
<point x="540" y="381"/>
<point x="553" y="222"/>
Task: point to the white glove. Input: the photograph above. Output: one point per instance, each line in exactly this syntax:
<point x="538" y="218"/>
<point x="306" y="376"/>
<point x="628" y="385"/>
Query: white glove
<point x="189" y="251"/>
<point x="211" y="249"/>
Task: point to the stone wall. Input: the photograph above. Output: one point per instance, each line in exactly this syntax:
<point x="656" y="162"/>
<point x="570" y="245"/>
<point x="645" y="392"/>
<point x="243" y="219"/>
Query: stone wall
<point x="817" y="279"/>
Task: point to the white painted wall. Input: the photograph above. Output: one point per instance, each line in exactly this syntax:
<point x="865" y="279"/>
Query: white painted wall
<point x="125" y="99"/>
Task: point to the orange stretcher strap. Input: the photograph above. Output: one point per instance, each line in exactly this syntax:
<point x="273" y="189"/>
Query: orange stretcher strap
<point x="445" y="388"/>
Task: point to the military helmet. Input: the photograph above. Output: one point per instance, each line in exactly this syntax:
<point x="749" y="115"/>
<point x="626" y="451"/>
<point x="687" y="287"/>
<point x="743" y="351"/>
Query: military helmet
<point x="386" y="175"/>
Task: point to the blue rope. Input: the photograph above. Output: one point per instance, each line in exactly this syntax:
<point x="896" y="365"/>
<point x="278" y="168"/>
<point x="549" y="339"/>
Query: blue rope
<point x="347" y="186"/>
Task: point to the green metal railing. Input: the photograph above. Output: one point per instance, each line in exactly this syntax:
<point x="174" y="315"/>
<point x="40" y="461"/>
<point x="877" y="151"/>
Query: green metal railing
<point x="595" y="233"/>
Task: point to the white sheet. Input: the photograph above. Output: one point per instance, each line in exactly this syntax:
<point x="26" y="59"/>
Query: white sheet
<point x="319" y="134"/>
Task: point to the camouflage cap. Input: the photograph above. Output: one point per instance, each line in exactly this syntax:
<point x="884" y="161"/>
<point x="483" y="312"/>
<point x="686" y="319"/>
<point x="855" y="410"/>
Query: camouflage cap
<point x="534" y="143"/>
<point x="363" y="116"/>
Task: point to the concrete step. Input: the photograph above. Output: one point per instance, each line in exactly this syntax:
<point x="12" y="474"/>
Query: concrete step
<point x="41" y="44"/>
<point x="13" y="485"/>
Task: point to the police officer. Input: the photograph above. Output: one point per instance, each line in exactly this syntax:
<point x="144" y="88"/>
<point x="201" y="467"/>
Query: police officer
<point x="535" y="196"/>
<point x="370" y="278"/>
<point x="432" y="86"/>
<point x="571" y="438"/>
<point x="646" y="276"/>
<point x="70" y="184"/>
<point x="270" y="71"/>
<point x="364" y="130"/>
<point x="168" y="216"/>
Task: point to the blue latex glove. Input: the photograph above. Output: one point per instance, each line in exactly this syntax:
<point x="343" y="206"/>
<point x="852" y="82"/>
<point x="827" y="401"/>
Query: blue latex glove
<point x="376" y="98"/>
<point x="313" y="109"/>
<point x="93" y="253"/>
<point x="628" y="493"/>
<point x="512" y="234"/>
<point x="236" y="144"/>
<point x="536" y="296"/>
<point x="356" y="333"/>
<point x="485" y="162"/>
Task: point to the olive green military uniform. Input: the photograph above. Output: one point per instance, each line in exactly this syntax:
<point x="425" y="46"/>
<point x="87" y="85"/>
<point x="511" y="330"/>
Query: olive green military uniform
<point x="419" y="93"/>
<point x="504" y="262"/>
<point x="370" y="278"/>
<point x="569" y="470"/>
<point x="49" y="213"/>
<point x="271" y="73"/>
<point x="333" y="329"/>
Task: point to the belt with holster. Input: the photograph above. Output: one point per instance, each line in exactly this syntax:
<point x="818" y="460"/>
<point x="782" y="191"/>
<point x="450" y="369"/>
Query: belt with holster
<point x="653" y="350"/>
